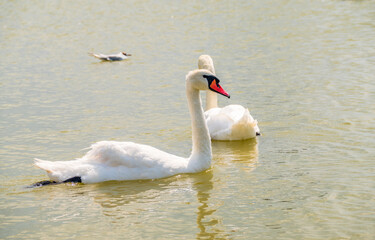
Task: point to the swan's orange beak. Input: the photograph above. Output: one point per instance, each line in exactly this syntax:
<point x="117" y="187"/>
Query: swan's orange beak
<point x="215" y="86"/>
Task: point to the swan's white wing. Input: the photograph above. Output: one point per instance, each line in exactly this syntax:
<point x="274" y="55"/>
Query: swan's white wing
<point x="235" y="112"/>
<point x="218" y="124"/>
<point x="232" y="122"/>
<point x="127" y="154"/>
<point x="110" y="160"/>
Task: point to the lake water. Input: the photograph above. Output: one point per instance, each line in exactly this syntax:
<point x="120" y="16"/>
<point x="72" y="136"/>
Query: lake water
<point x="305" y="69"/>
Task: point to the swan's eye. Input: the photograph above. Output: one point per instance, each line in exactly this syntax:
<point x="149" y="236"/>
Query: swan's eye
<point x="213" y="82"/>
<point x="210" y="79"/>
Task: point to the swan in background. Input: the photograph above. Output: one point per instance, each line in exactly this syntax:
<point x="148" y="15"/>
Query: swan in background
<point x="111" y="57"/>
<point x="232" y="122"/>
<point x="111" y="160"/>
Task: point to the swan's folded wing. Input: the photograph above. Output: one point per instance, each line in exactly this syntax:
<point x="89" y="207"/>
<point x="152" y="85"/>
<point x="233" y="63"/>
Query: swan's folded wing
<point x="218" y="124"/>
<point x="235" y="112"/>
<point x="232" y="122"/>
<point x="127" y="154"/>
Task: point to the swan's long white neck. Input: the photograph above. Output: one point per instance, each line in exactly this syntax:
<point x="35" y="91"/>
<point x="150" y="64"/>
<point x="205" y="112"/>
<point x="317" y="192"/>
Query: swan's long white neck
<point x="211" y="100"/>
<point x="205" y="62"/>
<point x="201" y="155"/>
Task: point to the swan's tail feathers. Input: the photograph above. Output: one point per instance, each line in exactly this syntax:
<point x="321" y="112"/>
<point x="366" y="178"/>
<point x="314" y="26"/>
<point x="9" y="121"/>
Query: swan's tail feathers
<point x="254" y="124"/>
<point x="61" y="171"/>
<point x="256" y="128"/>
<point x="43" y="164"/>
<point x="53" y="169"/>
<point x="246" y="127"/>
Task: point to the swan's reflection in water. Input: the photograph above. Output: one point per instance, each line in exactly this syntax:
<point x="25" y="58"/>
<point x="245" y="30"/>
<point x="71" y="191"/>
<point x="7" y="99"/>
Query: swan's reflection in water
<point x="166" y="204"/>
<point x="124" y="198"/>
<point x="243" y="154"/>
<point x="209" y="224"/>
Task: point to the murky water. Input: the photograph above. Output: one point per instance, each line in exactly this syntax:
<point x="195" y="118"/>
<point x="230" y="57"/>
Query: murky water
<point x="305" y="69"/>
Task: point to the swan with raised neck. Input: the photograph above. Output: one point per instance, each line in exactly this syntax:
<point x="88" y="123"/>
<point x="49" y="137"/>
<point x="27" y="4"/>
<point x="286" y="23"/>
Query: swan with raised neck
<point x="232" y="122"/>
<point x="206" y="62"/>
<point x="112" y="160"/>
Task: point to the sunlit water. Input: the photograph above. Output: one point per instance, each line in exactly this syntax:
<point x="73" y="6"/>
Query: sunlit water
<point x="305" y="69"/>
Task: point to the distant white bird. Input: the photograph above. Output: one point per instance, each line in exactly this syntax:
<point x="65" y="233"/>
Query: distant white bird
<point x="232" y="122"/>
<point x="111" y="57"/>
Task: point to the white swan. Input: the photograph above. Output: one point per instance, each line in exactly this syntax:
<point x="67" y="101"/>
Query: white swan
<point x="232" y="122"/>
<point x="110" y="160"/>
<point x="111" y="57"/>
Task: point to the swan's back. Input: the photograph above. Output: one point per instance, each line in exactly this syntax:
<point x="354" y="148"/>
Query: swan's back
<point x="232" y="122"/>
<point x="127" y="154"/>
<point x="111" y="160"/>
